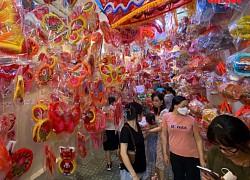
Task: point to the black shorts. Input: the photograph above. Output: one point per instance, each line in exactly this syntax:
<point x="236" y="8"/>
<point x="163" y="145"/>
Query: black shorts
<point x="112" y="141"/>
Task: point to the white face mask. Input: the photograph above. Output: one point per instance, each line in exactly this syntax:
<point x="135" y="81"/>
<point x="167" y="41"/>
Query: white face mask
<point x="183" y="111"/>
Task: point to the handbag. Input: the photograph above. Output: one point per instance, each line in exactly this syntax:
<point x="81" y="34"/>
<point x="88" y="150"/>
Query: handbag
<point x="131" y="153"/>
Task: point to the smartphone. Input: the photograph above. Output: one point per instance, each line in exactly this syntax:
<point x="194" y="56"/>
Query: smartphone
<point x="210" y="172"/>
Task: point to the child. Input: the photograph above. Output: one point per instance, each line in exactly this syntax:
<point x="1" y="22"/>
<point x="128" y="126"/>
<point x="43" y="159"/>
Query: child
<point x="151" y="144"/>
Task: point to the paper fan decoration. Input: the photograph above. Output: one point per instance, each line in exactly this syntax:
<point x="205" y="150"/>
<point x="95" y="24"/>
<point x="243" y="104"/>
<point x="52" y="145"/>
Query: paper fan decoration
<point x="136" y="12"/>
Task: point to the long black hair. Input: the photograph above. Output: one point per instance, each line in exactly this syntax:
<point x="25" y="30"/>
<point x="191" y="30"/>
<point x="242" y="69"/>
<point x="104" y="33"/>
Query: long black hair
<point x="150" y="118"/>
<point x="132" y="110"/>
<point x="161" y="97"/>
<point x="111" y="100"/>
<point x="170" y="89"/>
<point x="176" y="100"/>
<point x="229" y="131"/>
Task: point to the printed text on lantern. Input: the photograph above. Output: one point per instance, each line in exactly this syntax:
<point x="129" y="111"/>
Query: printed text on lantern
<point x="224" y="1"/>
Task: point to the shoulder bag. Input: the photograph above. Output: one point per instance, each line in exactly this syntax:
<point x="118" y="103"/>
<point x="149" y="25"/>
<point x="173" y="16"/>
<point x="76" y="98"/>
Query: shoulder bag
<point x="131" y="153"/>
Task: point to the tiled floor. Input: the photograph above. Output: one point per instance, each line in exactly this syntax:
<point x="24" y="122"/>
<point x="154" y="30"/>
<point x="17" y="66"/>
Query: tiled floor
<point x="92" y="167"/>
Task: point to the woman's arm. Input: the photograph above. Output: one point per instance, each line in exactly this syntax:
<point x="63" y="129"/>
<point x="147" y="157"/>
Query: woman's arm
<point x="126" y="161"/>
<point x="164" y="138"/>
<point x="199" y="144"/>
<point x="155" y="130"/>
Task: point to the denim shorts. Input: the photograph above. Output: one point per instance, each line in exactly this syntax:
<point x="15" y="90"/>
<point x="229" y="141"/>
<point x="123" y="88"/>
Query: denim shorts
<point x="125" y="175"/>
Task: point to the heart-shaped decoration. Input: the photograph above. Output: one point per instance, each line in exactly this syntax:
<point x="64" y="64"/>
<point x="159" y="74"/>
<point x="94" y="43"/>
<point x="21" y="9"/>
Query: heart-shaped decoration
<point x="89" y="116"/>
<point x="58" y="40"/>
<point x="39" y="112"/>
<point x="78" y="24"/>
<point x="52" y="22"/>
<point x="86" y="42"/>
<point x="44" y="74"/>
<point x="105" y="27"/>
<point x="74" y="82"/>
<point x="28" y="76"/>
<point x="31" y="46"/>
<point x="78" y="74"/>
<point x="21" y="162"/>
<point x="44" y="130"/>
<point x="52" y="61"/>
<point x="129" y="34"/>
<point x="116" y="37"/>
<point x="73" y="37"/>
<point x="5" y="160"/>
<point x="34" y="133"/>
<point x="89" y="6"/>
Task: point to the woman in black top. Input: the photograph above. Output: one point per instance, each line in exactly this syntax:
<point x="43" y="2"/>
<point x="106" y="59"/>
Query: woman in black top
<point x="137" y="170"/>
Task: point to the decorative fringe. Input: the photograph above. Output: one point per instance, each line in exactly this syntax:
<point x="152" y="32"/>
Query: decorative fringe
<point x="156" y="3"/>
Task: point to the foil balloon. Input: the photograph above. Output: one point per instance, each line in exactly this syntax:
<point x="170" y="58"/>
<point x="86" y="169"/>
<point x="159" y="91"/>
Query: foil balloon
<point x="239" y="63"/>
<point x="136" y="12"/>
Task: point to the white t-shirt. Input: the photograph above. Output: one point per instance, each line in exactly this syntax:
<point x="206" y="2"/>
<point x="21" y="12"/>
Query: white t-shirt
<point x="109" y="123"/>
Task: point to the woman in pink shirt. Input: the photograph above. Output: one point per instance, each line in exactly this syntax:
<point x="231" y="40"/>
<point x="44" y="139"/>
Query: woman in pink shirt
<point x="180" y="131"/>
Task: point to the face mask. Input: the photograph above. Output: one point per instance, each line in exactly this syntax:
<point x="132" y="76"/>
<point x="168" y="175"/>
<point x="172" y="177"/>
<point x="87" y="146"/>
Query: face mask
<point x="183" y="111"/>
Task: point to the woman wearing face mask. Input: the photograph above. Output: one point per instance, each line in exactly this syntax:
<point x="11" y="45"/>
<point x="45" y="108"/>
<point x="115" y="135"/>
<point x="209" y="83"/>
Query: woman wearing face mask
<point x="169" y="95"/>
<point x="180" y="132"/>
<point x="159" y="111"/>
<point x="231" y="148"/>
<point x="137" y="170"/>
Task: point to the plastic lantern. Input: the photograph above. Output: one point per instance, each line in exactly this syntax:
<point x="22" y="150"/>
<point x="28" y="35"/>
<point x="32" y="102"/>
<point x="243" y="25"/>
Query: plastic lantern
<point x="5" y="160"/>
<point x="12" y="40"/>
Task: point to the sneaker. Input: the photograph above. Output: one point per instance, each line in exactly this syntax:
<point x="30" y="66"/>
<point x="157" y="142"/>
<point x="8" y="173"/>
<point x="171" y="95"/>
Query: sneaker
<point x="109" y="167"/>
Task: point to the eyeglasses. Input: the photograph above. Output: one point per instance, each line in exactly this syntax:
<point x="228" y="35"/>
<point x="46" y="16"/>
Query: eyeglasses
<point x="232" y="151"/>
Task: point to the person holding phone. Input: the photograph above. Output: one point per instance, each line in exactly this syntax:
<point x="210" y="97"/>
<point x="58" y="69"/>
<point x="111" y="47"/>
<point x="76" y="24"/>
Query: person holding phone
<point x="180" y="131"/>
<point x="230" y="151"/>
